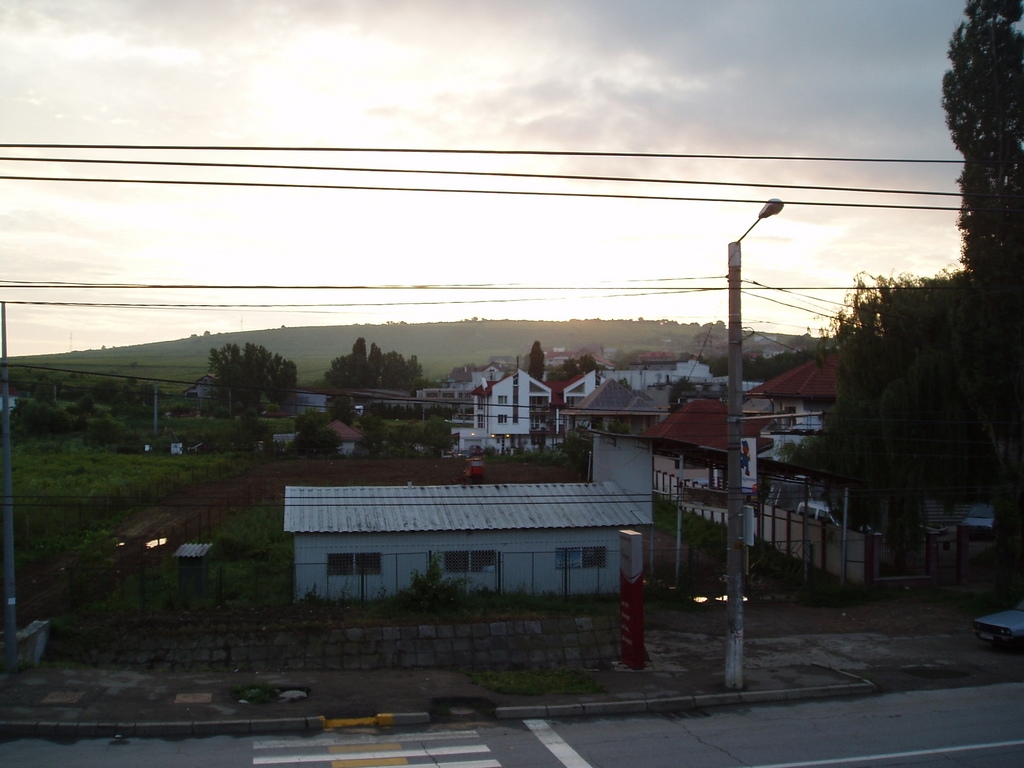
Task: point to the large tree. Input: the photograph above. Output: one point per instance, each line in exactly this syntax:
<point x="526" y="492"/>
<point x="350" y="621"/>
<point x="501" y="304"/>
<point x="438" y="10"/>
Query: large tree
<point x="536" y="365"/>
<point x="374" y="369"/>
<point x="983" y="96"/>
<point x="901" y="421"/>
<point x="251" y="372"/>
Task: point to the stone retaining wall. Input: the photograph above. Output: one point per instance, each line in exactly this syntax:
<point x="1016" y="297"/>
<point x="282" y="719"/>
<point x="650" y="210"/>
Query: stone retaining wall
<point x="541" y="643"/>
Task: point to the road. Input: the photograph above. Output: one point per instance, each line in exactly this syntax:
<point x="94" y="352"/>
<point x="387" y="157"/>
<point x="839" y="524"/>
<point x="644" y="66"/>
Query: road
<point x="967" y="727"/>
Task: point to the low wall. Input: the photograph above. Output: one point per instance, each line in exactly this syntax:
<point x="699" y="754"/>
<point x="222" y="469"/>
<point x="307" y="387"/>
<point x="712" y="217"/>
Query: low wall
<point x="542" y="643"/>
<point x="31" y="643"/>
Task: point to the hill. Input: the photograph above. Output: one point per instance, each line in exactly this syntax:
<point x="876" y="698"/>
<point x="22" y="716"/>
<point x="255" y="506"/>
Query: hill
<point x="438" y="346"/>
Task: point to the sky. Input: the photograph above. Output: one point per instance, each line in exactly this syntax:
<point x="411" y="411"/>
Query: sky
<point x="729" y="94"/>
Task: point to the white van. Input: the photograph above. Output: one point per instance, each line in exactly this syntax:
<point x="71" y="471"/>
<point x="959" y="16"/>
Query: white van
<point x="818" y="510"/>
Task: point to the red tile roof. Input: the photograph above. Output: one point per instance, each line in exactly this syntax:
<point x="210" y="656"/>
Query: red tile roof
<point x="811" y="381"/>
<point x="346" y="432"/>
<point x="702" y="422"/>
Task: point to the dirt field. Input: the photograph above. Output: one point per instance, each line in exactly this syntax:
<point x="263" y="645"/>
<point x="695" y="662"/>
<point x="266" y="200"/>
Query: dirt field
<point x="188" y="514"/>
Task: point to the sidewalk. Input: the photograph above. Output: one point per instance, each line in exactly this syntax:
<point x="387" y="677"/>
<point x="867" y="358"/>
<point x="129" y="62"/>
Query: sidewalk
<point x="82" y="703"/>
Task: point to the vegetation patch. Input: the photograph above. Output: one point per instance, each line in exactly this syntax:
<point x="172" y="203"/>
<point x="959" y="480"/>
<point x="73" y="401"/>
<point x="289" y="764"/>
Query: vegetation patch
<point x="255" y="693"/>
<point x="537" y="682"/>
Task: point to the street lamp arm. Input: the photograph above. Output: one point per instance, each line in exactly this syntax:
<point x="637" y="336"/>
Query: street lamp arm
<point x="771" y="208"/>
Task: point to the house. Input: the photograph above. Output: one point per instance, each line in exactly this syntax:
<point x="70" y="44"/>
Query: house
<point x="612" y="403"/>
<point x="12" y="396"/>
<point x="704" y="425"/>
<point x="537" y="538"/>
<point x="202" y="389"/>
<point x="350" y="437"/>
<point x="799" y="400"/>
<point x="520" y="412"/>
<point x="657" y="372"/>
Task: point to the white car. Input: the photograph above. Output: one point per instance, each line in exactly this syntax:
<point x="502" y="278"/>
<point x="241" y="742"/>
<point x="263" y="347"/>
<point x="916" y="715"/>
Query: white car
<point x="980" y="519"/>
<point x="1003" y="628"/>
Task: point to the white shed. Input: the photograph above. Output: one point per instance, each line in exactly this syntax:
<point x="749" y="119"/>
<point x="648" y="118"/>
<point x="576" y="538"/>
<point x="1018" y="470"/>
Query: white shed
<point x="366" y="542"/>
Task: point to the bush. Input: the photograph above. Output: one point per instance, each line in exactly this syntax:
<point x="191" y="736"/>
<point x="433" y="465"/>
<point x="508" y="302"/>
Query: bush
<point x="431" y="592"/>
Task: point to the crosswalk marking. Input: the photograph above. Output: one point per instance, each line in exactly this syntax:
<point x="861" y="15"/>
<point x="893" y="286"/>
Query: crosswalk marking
<point x="359" y="751"/>
<point x="336" y="738"/>
<point x="558" y="746"/>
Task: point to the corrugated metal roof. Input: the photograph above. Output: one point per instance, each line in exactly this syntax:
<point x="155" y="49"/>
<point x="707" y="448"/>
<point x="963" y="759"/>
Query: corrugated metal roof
<point x="383" y="509"/>
<point x="192" y="550"/>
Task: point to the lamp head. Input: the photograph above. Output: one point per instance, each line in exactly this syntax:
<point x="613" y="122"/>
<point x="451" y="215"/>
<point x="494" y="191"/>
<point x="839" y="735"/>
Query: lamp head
<point x="772" y="207"/>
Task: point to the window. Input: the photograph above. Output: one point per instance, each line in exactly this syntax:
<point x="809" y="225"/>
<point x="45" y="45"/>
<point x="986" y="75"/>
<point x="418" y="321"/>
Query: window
<point x="502" y="399"/>
<point x="470" y="561"/>
<point x="353" y="563"/>
<point x="503" y="419"/>
<point x="581" y="557"/>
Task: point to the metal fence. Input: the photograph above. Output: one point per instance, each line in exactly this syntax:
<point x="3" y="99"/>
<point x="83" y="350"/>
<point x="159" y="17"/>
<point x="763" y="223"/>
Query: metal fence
<point x="171" y="584"/>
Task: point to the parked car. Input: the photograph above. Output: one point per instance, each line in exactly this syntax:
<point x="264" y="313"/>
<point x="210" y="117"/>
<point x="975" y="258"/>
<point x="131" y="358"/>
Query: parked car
<point x="1003" y="628"/>
<point x="816" y="510"/>
<point x="980" y="519"/>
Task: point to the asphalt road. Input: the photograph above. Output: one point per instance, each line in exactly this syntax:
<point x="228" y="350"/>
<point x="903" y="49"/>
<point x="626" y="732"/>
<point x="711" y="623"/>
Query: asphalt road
<point x="969" y="727"/>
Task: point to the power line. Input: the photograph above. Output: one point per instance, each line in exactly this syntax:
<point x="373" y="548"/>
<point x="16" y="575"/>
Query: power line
<point x="498" y="174"/>
<point x="509" y="192"/>
<point x="506" y="152"/>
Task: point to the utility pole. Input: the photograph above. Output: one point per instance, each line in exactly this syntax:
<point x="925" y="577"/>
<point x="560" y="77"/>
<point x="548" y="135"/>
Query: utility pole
<point x="10" y="602"/>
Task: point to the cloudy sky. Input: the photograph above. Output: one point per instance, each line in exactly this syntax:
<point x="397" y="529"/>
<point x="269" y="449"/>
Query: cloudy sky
<point x="666" y="88"/>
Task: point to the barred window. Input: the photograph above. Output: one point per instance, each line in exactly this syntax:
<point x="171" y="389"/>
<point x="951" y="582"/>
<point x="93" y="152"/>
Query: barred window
<point x="353" y="563"/>
<point x="581" y="557"/>
<point x="470" y="561"/>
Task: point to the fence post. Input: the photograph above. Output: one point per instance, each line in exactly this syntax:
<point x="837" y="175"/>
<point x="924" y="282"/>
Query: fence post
<point x="872" y="545"/>
<point x="931" y="557"/>
<point x="963" y="555"/>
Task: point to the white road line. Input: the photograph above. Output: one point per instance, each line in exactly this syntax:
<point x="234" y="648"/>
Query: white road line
<point x="897" y="755"/>
<point x="371" y="755"/>
<point x="566" y="755"/>
<point x="340" y="739"/>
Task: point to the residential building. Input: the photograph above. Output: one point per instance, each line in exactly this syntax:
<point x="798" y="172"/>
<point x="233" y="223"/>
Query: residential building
<point x="798" y="400"/>
<point x="611" y="403"/>
<point x="350" y="437"/>
<point x="518" y="412"/>
<point x="202" y="389"/>
<point x="702" y="424"/>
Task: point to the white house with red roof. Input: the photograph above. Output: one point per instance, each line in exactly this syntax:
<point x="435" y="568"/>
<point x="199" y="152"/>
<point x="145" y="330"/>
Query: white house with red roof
<point x="798" y="400"/>
<point x="518" y="412"/>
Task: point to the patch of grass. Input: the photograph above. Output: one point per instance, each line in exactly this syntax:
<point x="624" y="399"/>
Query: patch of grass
<point x="255" y="693"/>
<point x="537" y="682"/>
<point x="830" y="595"/>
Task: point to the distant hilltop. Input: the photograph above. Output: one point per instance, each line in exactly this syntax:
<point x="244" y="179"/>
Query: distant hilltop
<point x="439" y="347"/>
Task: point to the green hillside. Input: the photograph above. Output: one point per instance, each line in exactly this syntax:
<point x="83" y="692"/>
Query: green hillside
<point x="439" y="346"/>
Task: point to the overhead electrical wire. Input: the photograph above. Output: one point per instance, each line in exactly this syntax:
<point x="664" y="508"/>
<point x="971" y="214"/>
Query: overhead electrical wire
<point x="500" y="174"/>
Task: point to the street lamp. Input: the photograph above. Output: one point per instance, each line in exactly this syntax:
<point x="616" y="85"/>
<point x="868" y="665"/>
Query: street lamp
<point x="735" y="554"/>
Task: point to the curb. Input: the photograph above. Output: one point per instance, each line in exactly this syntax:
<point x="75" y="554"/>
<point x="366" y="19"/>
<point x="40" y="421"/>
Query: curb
<point x="298" y="724"/>
<point x="28" y="728"/>
<point x="682" y="703"/>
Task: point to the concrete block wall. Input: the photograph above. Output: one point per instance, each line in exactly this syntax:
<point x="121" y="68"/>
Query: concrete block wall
<point x="591" y="642"/>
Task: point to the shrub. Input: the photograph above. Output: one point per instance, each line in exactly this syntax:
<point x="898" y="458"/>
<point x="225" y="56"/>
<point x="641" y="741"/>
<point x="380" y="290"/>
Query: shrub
<point x="431" y="592"/>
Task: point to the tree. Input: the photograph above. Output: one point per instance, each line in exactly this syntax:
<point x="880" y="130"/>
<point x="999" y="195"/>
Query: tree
<point x="983" y="97"/>
<point x="901" y="422"/>
<point x="373" y="369"/>
<point x="536" y="364"/>
<point x="313" y="434"/>
<point x="252" y="372"/>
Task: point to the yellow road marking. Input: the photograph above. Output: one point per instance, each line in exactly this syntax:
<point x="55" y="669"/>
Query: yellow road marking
<point x="339" y="750"/>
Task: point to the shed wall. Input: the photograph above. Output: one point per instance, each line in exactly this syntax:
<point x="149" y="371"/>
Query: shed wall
<point x="370" y="565"/>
